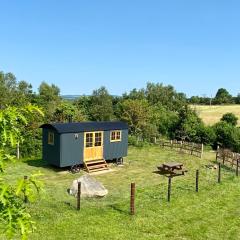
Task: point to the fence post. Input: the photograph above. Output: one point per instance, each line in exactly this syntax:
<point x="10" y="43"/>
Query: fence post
<point x="132" y="199"/>
<point x="191" y="152"/>
<point x="217" y="152"/>
<point x="219" y="172"/>
<point x="237" y="168"/>
<point x="224" y="156"/>
<point x="197" y="178"/>
<point x="18" y="151"/>
<point x="169" y="188"/>
<point x="171" y="142"/>
<point x="78" y="196"/>
<point x="24" y="190"/>
<point x="202" y="150"/>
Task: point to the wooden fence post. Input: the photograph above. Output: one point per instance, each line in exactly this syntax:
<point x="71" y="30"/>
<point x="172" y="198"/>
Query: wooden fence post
<point x="24" y="190"/>
<point x="237" y="168"/>
<point x="202" y="151"/>
<point x="219" y="172"/>
<point x="169" y="189"/>
<point x="217" y="153"/>
<point x="18" y="151"/>
<point x="197" y="178"/>
<point x="191" y="151"/>
<point x="132" y="199"/>
<point x="79" y="196"/>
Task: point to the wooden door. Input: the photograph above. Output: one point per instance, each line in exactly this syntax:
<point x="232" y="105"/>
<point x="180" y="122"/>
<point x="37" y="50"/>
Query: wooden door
<point x="93" y="146"/>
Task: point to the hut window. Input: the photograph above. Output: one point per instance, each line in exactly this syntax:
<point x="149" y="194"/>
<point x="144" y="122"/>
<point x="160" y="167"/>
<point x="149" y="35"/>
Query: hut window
<point x="51" y="138"/>
<point x="98" y="139"/>
<point x="116" y="136"/>
<point x="89" y="140"/>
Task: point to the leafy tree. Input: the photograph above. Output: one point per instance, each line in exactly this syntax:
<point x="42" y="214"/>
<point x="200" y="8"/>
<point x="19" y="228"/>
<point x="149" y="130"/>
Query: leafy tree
<point x="49" y="92"/>
<point x="230" y="118"/>
<point x="135" y="94"/>
<point x="227" y="136"/>
<point x="222" y="97"/>
<point x="237" y="99"/>
<point x="48" y="98"/>
<point x="83" y="104"/>
<point x="24" y="94"/>
<point x="8" y="85"/>
<point x="66" y="111"/>
<point x="164" y="119"/>
<point x="13" y="212"/>
<point x="101" y="105"/>
<point x="189" y="125"/>
<point x="136" y="113"/>
<point x="164" y="95"/>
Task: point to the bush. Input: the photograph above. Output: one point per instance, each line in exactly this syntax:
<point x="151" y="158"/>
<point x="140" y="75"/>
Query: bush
<point x="230" y="118"/>
<point x="135" y="141"/>
<point x="227" y="136"/>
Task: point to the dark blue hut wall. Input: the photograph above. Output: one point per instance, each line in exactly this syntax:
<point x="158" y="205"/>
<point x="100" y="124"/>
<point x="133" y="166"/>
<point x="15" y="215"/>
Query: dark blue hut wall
<point x="115" y="149"/>
<point x="51" y="153"/>
<point x="71" y="149"/>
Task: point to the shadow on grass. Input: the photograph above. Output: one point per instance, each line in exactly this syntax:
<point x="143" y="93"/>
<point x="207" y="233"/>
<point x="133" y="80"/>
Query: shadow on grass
<point x="118" y="209"/>
<point x="40" y="163"/>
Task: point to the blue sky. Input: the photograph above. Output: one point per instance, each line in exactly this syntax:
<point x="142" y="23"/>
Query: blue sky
<point x="122" y="44"/>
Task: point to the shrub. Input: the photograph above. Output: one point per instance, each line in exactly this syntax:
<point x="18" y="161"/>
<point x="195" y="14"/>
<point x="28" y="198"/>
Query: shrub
<point x="230" y="118"/>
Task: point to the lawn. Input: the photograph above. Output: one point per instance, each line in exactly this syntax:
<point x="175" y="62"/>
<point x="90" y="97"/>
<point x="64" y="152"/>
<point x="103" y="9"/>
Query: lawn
<point x="212" y="114"/>
<point x="213" y="213"/>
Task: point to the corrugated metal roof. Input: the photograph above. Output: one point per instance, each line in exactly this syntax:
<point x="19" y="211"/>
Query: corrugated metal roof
<point x="76" y="127"/>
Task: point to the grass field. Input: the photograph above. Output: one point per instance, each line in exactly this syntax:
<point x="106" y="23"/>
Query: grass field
<point x="212" y="114"/>
<point x="213" y="213"/>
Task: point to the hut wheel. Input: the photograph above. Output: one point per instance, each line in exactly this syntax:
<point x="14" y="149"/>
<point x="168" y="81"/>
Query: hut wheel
<point x="119" y="161"/>
<point x="75" y="168"/>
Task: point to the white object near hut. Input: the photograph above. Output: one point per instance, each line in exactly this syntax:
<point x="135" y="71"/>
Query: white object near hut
<point x="90" y="187"/>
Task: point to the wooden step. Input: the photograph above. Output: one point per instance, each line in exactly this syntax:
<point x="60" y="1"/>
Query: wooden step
<point x="98" y="170"/>
<point x="95" y="161"/>
<point x="96" y="165"/>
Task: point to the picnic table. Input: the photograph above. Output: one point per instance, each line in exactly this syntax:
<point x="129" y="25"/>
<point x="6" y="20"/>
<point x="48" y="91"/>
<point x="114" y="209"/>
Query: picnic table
<point x="172" y="169"/>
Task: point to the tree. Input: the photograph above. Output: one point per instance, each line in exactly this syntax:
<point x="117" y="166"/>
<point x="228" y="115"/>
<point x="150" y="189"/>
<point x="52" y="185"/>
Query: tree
<point x="222" y="97"/>
<point x="48" y="98"/>
<point x="237" y="99"/>
<point x="66" y="111"/>
<point x="8" y="88"/>
<point x="136" y="113"/>
<point x="101" y="105"/>
<point x="189" y="125"/>
<point x="135" y="94"/>
<point x="230" y="118"/>
<point x="83" y="104"/>
<point x="164" y="95"/>
<point x="227" y="136"/>
<point x="13" y="212"/>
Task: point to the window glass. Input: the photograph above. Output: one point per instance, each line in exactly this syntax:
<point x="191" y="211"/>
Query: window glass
<point x="89" y="139"/>
<point x="115" y="136"/>
<point x="98" y="139"/>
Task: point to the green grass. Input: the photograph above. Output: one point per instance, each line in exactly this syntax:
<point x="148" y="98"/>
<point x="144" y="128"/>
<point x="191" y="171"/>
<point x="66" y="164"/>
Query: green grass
<point x="212" y="114"/>
<point x="213" y="213"/>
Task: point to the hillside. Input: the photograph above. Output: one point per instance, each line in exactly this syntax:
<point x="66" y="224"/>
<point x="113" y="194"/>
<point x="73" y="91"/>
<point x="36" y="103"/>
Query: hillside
<point x="212" y="114"/>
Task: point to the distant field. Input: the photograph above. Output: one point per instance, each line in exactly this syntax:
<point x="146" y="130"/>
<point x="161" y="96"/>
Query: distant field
<point x="212" y="114"/>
